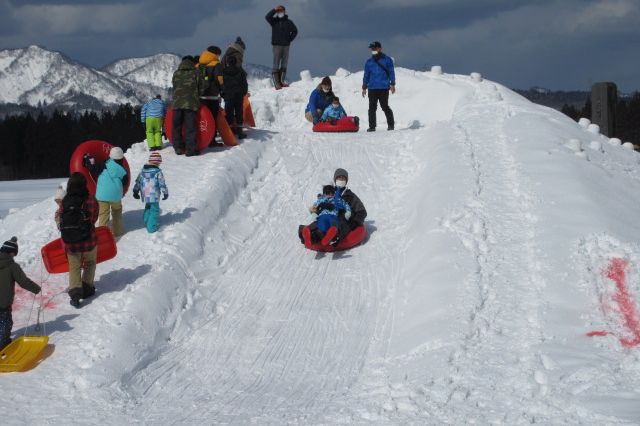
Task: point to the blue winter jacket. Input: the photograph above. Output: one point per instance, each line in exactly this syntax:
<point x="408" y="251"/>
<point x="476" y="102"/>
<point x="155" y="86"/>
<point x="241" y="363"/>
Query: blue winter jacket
<point x="375" y="77"/>
<point x="110" y="182"/>
<point x="154" y="108"/>
<point x="338" y="204"/>
<point x="318" y="101"/>
<point x="331" y="112"/>
<point x="150" y="182"/>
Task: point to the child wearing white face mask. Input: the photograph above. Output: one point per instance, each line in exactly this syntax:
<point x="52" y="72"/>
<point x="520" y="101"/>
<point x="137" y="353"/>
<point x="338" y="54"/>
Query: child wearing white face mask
<point x="333" y="112"/>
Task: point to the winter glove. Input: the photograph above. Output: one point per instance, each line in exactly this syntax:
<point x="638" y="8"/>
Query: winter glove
<point x="38" y="290"/>
<point x="165" y="195"/>
<point x="88" y="161"/>
<point x="325" y="206"/>
<point x="333" y="121"/>
<point x="136" y="195"/>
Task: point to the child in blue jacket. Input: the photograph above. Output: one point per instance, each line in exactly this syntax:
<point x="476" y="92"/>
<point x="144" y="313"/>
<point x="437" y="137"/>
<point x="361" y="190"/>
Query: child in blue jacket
<point x="333" y="112"/>
<point x="328" y="206"/>
<point x="150" y="182"/>
<point x="112" y="180"/>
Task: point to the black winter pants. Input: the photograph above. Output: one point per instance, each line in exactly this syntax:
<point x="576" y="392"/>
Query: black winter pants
<point x="187" y="118"/>
<point x="382" y="96"/>
<point x="213" y="105"/>
<point x="233" y="109"/>
<point x="6" y="324"/>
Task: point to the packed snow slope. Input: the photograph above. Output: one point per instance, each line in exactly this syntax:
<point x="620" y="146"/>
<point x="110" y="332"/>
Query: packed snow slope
<point x="501" y="234"/>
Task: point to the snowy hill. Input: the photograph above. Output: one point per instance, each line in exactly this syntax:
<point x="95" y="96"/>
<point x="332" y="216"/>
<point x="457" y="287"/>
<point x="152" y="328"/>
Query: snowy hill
<point x="35" y="75"/>
<point x="499" y="283"/>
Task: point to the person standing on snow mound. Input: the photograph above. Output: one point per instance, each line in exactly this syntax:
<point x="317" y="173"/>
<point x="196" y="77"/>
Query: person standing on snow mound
<point x="76" y="218"/>
<point x="319" y="100"/>
<point x="152" y="116"/>
<point x="358" y="212"/>
<point x="187" y="88"/>
<point x="283" y="32"/>
<point x="10" y="274"/>
<point x="379" y="78"/>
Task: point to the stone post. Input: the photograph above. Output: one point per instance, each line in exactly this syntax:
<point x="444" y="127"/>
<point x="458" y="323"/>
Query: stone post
<point x="604" y="97"/>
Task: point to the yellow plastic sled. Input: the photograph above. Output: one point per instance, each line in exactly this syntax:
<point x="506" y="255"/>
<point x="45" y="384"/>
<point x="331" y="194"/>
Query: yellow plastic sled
<point x="22" y="353"/>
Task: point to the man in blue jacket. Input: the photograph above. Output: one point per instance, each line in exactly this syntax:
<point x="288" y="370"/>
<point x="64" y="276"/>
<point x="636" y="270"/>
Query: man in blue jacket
<point x="283" y="31"/>
<point x="379" y="78"/>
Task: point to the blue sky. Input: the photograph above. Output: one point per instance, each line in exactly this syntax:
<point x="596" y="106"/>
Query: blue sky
<point x="558" y="44"/>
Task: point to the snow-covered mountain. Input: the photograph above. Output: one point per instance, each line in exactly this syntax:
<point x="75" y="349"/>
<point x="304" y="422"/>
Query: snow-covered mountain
<point x="498" y="284"/>
<point x="34" y="75"/>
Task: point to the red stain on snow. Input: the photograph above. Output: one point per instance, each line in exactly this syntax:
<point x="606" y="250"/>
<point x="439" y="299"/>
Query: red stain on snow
<point x="616" y="271"/>
<point x="598" y="333"/>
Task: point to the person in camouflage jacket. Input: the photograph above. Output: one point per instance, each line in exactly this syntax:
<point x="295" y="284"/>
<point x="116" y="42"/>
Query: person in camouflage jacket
<point x="188" y="85"/>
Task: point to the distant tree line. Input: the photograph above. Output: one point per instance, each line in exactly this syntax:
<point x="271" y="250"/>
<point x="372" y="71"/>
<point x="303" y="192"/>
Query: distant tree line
<point x="34" y="146"/>
<point x="627" y="117"/>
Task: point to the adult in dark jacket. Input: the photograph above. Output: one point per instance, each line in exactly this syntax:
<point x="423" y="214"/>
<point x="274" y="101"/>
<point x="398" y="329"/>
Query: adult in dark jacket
<point x="235" y="88"/>
<point x="10" y="274"/>
<point x="319" y="99"/>
<point x="379" y="78"/>
<point x="187" y="88"/>
<point x="283" y="32"/>
<point x="235" y="50"/>
<point x="358" y="211"/>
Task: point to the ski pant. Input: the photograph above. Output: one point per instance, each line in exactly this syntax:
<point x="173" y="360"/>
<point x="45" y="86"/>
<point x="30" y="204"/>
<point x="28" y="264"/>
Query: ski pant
<point x="326" y="221"/>
<point x="150" y="216"/>
<point x="187" y="118"/>
<point x="280" y="60"/>
<point x="6" y="324"/>
<point x="233" y="109"/>
<point x="154" y="132"/>
<point x="82" y="268"/>
<point x="113" y="209"/>
<point x="213" y="105"/>
<point x="310" y="118"/>
<point x="382" y="96"/>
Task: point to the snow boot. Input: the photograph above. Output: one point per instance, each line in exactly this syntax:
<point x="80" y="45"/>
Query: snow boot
<point x="371" y="129"/>
<point x="74" y="297"/>
<point x="88" y="290"/>
<point x="329" y="236"/>
<point x="283" y="73"/>
<point x="238" y="132"/>
<point x="275" y="79"/>
<point x="306" y="235"/>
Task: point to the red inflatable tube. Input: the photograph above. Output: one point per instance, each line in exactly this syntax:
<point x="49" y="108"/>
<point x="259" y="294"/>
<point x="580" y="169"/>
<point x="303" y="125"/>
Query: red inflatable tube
<point x="100" y="151"/>
<point x="345" y="124"/>
<point x="54" y="256"/>
<point x="205" y="130"/>
<point x="352" y="239"/>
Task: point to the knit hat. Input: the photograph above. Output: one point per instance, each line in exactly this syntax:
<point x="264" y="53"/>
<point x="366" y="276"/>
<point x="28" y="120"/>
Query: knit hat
<point x="158" y="96"/>
<point x="375" y="45"/>
<point x="10" y="246"/>
<point x="326" y="81"/>
<point x="155" y="158"/>
<point x="340" y="172"/>
<point x="240" y="43"/>
<point x="215" y="50"/>
<point x="60" y="193"/>
<point x="116" y="153"/>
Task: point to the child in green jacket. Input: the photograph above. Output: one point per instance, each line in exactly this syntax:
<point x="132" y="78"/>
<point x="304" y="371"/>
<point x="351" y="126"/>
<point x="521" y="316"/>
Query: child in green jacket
<point x="10" y="274"/>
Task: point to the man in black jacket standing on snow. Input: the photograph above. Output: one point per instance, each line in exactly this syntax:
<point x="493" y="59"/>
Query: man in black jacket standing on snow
<point x="283" y="31"/>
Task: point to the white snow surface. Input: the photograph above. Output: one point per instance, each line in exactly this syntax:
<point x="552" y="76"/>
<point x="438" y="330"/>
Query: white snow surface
<point x="469" y="302"/>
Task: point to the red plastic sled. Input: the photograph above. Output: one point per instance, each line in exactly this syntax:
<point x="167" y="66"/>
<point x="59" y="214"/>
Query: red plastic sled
<point x="352" y="239"/>
<point x="204" y="131"/>
<point x="345" y="124"/>
<point x="100" y="151"/>
<point x="55" y="258"/>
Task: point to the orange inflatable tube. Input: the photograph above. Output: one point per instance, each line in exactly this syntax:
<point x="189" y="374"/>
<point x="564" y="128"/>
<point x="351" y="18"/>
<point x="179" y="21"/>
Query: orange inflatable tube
<point x="228" y="137"/>
<point x="247" y="113"/>
<point x="54" y="256"/>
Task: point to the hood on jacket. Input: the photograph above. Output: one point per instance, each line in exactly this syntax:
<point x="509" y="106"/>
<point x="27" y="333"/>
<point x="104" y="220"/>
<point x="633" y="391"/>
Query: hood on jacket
<point x="209" y="59"/>
<point x="186" y="64"/>
<point x="236" y="46"/>
<point x="6" y="260"/>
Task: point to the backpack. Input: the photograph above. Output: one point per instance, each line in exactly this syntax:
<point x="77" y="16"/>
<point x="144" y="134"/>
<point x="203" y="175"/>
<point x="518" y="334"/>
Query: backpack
<point x="75" y="226"/>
